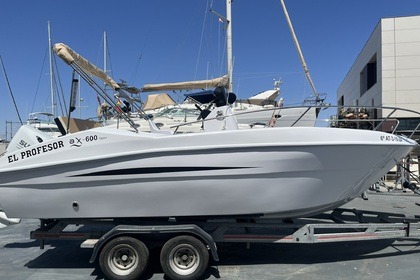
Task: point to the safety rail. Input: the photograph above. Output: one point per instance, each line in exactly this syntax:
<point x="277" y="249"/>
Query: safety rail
<point x="334" y="119"/>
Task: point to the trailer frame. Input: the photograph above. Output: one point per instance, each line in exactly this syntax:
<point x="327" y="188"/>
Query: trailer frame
<point x="334" y="226"/>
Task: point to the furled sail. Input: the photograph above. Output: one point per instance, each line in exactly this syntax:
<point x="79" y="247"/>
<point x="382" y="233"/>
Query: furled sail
<point x="212" y="83"/>
<point x="69" y="56"/>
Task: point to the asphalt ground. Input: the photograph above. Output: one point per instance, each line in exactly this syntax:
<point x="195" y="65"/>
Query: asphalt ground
<point x="21" y="258"/>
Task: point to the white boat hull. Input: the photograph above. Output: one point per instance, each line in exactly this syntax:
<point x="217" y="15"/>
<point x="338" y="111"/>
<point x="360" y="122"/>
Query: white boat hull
<point x="108" y="173"/>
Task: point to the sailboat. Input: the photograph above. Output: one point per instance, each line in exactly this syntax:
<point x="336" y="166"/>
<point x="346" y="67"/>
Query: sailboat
<point x="257" y="111"/>
<point x="109" y="173"/>
<point x="260" y="109"/>
<point x="44" y="121"/>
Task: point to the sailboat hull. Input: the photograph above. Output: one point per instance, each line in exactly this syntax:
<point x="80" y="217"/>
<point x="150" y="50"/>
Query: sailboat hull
<point x="107" y="173"/>
<point x="281" y="117"/>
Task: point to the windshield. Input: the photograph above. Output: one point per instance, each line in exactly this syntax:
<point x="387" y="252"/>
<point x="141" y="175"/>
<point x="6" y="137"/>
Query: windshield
<point x="178" y="112"/>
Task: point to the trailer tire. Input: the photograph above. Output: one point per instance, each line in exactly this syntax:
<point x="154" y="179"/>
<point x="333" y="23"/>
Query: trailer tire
<point x="184" y="258"/>
<point x="124" y="258"/>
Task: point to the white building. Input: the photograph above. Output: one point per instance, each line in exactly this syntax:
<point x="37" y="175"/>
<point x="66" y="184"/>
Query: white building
<point x="387" y="73"/>
<point x="387" y="70"/>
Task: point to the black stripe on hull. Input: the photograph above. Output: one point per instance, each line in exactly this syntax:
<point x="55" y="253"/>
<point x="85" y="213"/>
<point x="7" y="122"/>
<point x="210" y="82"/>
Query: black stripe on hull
<point x="154" y="170"/>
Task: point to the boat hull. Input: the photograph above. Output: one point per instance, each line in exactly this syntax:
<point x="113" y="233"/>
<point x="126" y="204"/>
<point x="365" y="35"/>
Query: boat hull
<point x="280" y="117"/>
<point x="106" y="173"/>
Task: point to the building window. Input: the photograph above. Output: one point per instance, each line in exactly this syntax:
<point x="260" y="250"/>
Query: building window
<point x="341" y="101"/>
<point x="369" y="75"/>
<point x="407" y="124"/>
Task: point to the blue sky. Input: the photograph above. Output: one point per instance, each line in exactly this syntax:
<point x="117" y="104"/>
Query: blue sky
<point x="168" y="41"/>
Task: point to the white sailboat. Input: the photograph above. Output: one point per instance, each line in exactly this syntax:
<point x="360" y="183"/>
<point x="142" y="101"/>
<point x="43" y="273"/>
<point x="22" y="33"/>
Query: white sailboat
<point x="44" y="121"/>
<point x="254" y="111"/>
<point x="110" y="173"/>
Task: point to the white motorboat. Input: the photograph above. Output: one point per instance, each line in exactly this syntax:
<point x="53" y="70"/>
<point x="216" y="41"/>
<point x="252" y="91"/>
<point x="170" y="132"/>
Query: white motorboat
<point x="109" y="173"/>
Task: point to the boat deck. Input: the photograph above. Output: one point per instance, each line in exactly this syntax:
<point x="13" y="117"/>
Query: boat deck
<point x="21" y="258"/>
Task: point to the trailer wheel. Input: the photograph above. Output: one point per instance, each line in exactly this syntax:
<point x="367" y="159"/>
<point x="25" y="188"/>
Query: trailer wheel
<point x="184" y="257"/>
<point x="124" y="258"/>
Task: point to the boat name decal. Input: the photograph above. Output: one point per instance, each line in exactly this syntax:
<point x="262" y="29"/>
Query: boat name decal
<point x="77" y="142"/>
<point x="391" y="138"/>
<point x="23" y="144"/>
<point x="36" y="151"/>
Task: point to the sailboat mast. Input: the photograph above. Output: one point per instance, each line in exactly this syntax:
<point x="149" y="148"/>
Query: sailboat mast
<point x="105" y="52"/>
<point x="295" y="40"/>
<point x="51" y="71"/>
<point x="229" y="43"/>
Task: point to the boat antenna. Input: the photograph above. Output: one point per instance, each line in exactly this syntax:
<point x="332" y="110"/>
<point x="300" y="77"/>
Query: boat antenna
<point x="10" y="90"/>
<point x="302" y="59"/>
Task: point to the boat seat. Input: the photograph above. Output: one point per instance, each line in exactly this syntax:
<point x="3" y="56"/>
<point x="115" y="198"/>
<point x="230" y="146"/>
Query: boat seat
<point x="74" y="125"/>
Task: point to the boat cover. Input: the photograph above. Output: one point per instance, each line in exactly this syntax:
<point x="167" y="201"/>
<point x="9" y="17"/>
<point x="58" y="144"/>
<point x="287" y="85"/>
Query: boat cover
<point x="155" y="101"/>
<point x="218" y="96"/>
<point x="70" y="56"/>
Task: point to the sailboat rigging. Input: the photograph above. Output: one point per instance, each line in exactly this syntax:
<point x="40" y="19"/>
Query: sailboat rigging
<point x="44" y="120"/>
<point x="300" y="53"/>
<point x="10" y="90"/>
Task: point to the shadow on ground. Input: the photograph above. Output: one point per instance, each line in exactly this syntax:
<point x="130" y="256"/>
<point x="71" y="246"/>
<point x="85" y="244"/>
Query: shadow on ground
<point x="68" y="254"/>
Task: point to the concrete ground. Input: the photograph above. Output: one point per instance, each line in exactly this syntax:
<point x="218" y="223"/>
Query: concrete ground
<point x="21" y="258"/>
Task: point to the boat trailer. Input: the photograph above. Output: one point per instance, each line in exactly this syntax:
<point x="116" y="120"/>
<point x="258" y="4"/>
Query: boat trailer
<point x="122" y="245"/>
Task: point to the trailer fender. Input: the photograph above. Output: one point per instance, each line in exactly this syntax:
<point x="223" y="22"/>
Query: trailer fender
<point x="136" y="230"/>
